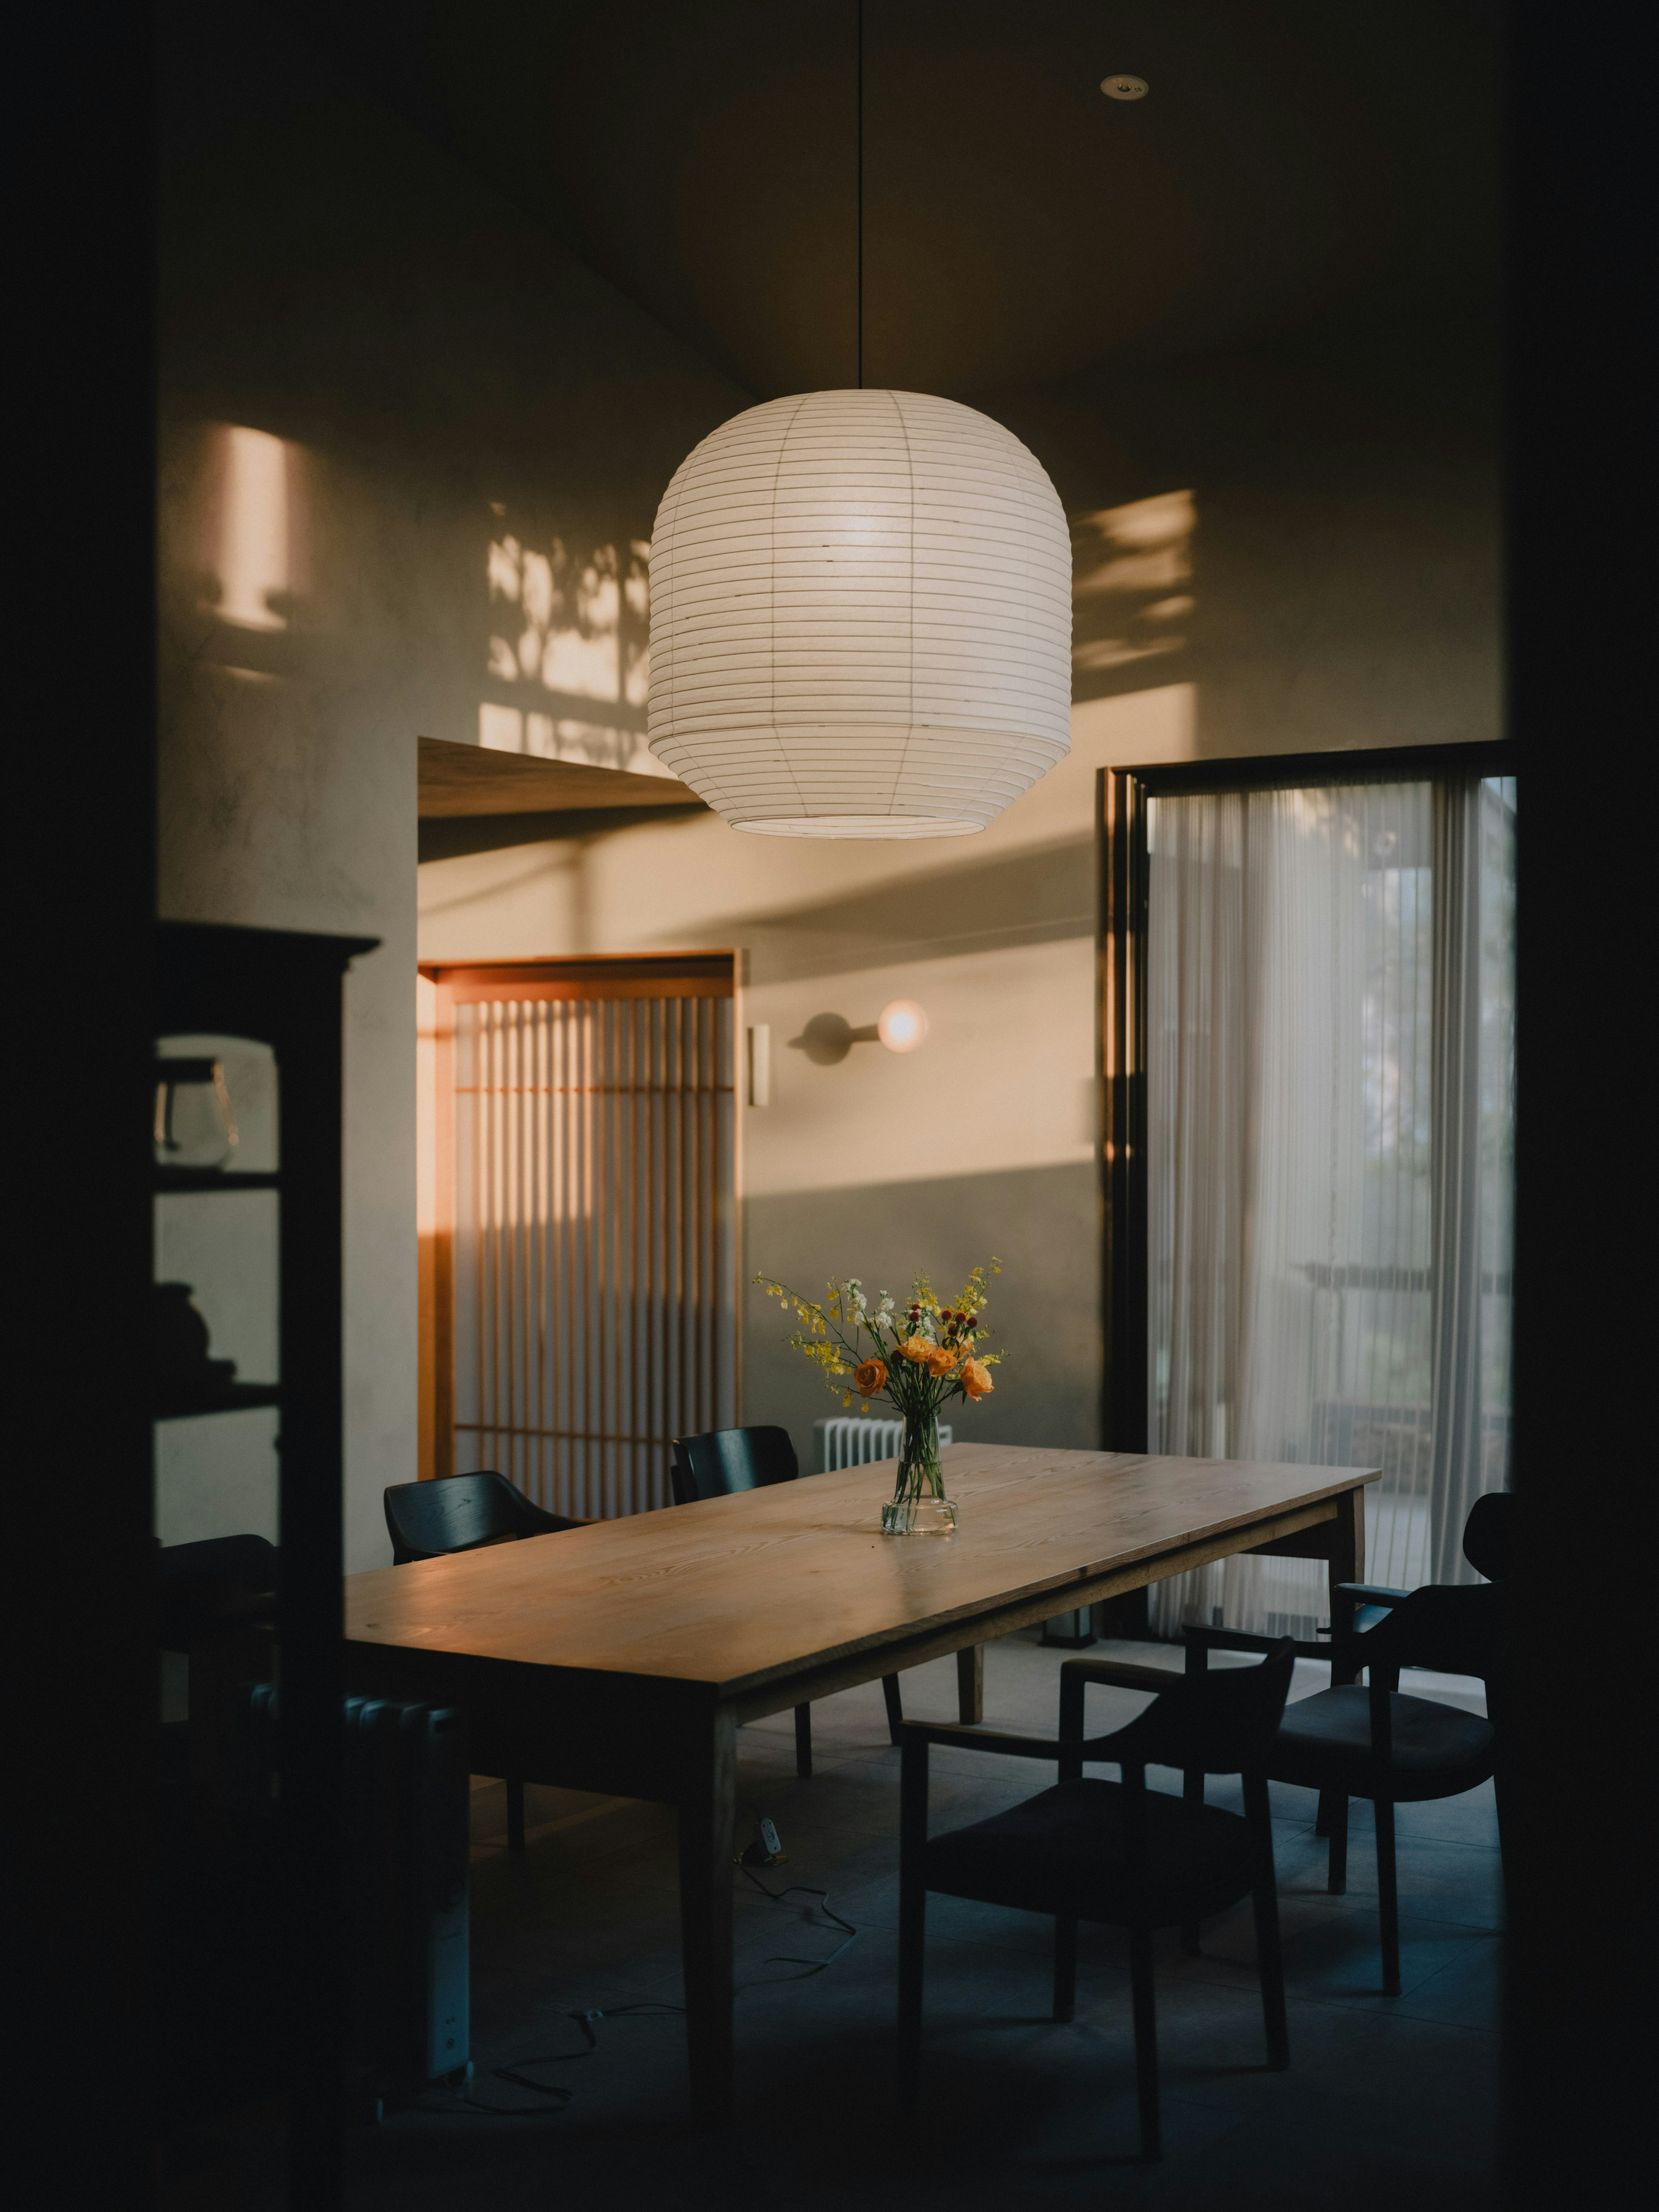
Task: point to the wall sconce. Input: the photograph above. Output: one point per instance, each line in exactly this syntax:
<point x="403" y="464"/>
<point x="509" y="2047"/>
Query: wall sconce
<point x="828" y="1038"/>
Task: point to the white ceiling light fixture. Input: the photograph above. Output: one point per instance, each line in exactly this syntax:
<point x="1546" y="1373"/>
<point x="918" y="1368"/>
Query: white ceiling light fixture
<point x="1125" y="86"/>
<point x="861" y="613"/>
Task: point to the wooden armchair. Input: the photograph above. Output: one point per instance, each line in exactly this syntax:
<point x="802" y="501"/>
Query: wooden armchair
<point x="1110" y="1852"/>
<point x="1348" y="1741"/>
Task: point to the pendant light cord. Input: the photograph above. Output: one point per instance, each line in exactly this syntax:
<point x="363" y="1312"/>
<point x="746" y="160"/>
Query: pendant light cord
<point x="861" y="138"/>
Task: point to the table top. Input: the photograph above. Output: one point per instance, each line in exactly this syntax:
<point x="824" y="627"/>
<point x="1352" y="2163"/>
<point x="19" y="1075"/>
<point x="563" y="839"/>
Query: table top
<point x="731" y="1590"/>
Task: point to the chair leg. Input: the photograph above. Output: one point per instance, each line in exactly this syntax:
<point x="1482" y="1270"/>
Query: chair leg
<point x="514" y="1814"/>
<point x="889" y="1691"/>
<point x="1337" y="1881"/>
<point x="1065" y="1969"/>
<point x="1270" y="1961"/>
<point x="1191" y="1793"/>
<point x="1388" y="1896"/>
<point x="1140" y="1973"/>
<point x="804" y="1742"/>
<point x="1323" y="1817"/>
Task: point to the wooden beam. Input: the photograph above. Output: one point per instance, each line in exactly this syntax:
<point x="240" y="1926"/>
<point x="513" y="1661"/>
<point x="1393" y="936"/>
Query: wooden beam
<point x="460" y="780"/>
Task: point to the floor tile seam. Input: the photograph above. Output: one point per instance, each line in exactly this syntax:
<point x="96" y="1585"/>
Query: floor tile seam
<point x="1242" y="1980"/>
<point x="1364" y="1902"/>
<point x="1388" y="2009"/>
<point x="1381" y="2012"/>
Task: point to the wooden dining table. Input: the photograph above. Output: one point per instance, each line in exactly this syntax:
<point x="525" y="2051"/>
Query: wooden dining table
<point x="621" y="1657"/>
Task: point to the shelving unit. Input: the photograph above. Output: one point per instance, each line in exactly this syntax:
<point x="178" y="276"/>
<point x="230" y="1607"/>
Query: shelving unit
<point x="231" y="1398"/>
<point x="283" y="988"/>
<point x="190" y="1179"/>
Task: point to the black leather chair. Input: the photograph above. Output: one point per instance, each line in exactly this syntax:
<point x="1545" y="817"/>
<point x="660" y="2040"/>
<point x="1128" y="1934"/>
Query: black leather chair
<point x="203" y="1588"/>
<point x="1111" y="1851"/>
<point x="216" y="1600"/>
<point x="459" y="1513"/>
<point x="1349" y="1742"/>
<point x="462" y="1513"/>
<point x="727" y="1460"/>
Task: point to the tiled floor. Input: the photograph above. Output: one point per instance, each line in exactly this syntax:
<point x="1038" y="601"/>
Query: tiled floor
<point x="1387" y="2100"/>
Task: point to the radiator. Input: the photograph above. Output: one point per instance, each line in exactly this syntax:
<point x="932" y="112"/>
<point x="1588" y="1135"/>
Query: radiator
<point x="406" y="1867"/>
<point x="846" y="1441"/>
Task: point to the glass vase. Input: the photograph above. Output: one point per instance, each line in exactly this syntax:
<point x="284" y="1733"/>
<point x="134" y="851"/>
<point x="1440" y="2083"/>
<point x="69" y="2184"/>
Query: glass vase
<point x="918" y="1506"/>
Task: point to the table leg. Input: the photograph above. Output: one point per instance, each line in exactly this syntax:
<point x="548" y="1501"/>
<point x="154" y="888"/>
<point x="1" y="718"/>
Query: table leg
<point x="707" y="1834"/>
<point x="970" y="1685"/>
<point x="1347" y="1558"/>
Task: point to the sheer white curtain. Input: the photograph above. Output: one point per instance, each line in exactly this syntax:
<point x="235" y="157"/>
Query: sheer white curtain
<point x="1330" y="1018"/>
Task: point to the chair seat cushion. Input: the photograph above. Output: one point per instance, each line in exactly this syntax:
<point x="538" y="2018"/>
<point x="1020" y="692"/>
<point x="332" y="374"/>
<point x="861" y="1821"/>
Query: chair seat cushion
<point x="1065" y="1852"/>
<point x="1324" y="1742"/>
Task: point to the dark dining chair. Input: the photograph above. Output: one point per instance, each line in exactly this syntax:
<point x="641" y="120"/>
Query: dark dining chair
<point x="1115" y="1852"/>
<point x="463" y="1513"/>
<point x="725" y="1461"/>
<point x="217" y="1602"/>
<point x="1349" y="1742"/>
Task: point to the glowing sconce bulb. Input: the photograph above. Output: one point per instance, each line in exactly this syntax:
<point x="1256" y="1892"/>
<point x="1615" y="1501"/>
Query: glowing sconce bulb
<point x="902" y="1025"/>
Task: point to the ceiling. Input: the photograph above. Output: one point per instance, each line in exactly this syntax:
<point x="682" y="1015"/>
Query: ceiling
<point x="1298" y="165"/>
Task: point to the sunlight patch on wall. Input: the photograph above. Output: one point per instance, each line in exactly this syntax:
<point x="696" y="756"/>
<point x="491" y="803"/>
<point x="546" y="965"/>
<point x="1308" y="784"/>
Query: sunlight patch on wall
<point x="577" y="626"/>
<point x="1132" y="566"/>
<point x="255" y="562"/>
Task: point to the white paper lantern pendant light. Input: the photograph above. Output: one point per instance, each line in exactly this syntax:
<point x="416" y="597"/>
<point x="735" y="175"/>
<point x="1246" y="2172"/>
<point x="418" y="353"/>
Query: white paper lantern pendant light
<point x="861" y="616"/>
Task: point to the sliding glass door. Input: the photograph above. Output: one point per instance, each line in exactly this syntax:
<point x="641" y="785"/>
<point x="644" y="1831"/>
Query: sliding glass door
<point x="1328" y="1038"/>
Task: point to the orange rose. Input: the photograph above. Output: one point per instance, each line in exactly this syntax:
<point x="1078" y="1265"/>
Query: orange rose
<point x="976" y="1379"/>
<point x="919" y="1349"/>
<point x="940" y="1359"/>
<point x="869" y="1377"/>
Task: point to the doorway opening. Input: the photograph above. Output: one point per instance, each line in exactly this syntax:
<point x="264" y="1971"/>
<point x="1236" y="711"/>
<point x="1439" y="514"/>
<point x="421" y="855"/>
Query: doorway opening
<point x="578" y="1252"/>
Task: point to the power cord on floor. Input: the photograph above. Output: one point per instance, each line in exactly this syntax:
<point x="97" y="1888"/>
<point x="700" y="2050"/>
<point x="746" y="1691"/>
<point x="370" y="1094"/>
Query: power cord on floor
<point x="766" y="1851"/>
<point x="788" y="1958"/>
<point x="587" y="2022"/>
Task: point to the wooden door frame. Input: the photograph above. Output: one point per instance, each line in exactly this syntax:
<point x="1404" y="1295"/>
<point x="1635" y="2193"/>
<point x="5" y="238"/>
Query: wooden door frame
<point x="541" y="976"/>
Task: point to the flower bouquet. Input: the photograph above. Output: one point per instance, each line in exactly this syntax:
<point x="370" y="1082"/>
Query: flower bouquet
<point x="916" y="1356"/>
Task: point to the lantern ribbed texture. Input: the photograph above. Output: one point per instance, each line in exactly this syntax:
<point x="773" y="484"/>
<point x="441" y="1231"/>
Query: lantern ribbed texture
<point x="860" y="619"/>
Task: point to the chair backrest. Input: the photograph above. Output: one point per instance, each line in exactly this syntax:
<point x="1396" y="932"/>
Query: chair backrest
<point x="458" y="1512"/>
<point x="725" y="1460"/>
<point x="1450" y="1628"/>
<point x="196" y="1582"/>
<point x="236" y="1563"/>
<point x="1221" y="1721"/>
<point x="1488" y="1532"/>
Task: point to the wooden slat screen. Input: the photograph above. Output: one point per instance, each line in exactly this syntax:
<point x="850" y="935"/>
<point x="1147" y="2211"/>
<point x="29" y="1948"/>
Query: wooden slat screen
<point x="591" y="1265"/>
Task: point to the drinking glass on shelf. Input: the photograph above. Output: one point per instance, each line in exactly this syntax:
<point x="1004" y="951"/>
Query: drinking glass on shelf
<point x="195" y="1122"/>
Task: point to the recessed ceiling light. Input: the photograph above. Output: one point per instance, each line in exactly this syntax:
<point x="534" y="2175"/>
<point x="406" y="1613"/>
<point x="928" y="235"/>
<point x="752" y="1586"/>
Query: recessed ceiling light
<point x="1123" y="87"/>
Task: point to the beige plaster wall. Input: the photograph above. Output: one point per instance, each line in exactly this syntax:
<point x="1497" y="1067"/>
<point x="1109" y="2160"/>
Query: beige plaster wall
<point x="1274" y="554"/>
<point x="371" y="369"/>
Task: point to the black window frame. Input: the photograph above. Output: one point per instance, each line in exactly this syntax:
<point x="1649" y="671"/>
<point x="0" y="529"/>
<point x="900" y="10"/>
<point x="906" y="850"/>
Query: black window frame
<point x="1121" y="813"/>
